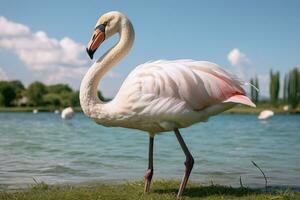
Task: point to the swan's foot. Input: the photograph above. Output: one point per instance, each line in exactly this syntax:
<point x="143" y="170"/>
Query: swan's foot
<point x="189" y="163"/>
<point x="148" y="178"/>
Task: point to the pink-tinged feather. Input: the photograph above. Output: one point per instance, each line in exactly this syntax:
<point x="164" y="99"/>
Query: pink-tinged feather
<point x="242" y="99"/>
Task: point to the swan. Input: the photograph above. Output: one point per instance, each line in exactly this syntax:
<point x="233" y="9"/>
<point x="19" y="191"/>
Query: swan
<point x="156" y="97"/>
<point x="265" y="114"/>
<point x="67" y="113"/>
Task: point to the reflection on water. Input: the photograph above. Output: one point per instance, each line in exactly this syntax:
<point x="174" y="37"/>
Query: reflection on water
<point x="55" y="151"/>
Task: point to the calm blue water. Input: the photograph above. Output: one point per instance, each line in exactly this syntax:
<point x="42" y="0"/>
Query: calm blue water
<point x="55" y="151"/>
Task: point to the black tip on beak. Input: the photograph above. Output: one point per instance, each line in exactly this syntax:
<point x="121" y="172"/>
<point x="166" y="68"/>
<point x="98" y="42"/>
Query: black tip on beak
<point x="90" y="52"/>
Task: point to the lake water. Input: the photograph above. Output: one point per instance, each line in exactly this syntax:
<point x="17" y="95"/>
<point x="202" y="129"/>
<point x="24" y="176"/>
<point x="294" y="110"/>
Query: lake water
<point x="44" y="147"/>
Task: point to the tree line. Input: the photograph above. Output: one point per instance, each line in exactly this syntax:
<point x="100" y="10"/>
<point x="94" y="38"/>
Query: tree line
<point x="13" y="93"/>
<point x="291" y="88"/>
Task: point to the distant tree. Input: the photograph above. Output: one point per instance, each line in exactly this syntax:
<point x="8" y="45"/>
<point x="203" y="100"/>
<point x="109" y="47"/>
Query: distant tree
<point x="2" y="100"/>
<point x="7" y="93"/>
<point x="298" y="84"/>
<point x="256" y="84"/>
<point x="52" y="99"/>
<point x="35" y="92"/>
<point x="285" y="88"/>
<point x="59" y="88"/>
<point x="274" y="87"/>
<point x="74" y="100"/>
<point x="66" y="98"/>
<point x="254" y="91"/>
<point x="251" y="89"/>
<point x="293" y="88"/>
<point x="19" y="87"/>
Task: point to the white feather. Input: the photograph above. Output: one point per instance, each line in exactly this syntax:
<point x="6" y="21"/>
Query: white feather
<point x="159" y="95"/>
<point x="178" y="91"/>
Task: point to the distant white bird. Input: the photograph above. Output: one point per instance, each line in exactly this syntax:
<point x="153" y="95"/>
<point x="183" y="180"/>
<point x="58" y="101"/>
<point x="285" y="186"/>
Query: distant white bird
<point x="286" y="108"/>
<point x="67" y="113"/>
<point x="56" y="112"/>
<point x="266" y="114"/>
<point x="157" y="96"/>
<point x="35" y="111"/>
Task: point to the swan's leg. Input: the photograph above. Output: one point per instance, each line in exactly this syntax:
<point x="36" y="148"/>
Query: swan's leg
<point x="149" y="172"/>
<point x="189" y="162"/>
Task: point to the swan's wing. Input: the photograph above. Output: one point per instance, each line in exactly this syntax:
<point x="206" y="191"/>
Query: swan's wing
<point x="173" y="87"/>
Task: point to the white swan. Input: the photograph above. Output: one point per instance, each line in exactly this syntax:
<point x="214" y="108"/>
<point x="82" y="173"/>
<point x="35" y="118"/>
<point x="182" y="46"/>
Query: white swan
<point x="156" y="96"/>
<point x="67" y="113"/>
<point x="265" y="114"/>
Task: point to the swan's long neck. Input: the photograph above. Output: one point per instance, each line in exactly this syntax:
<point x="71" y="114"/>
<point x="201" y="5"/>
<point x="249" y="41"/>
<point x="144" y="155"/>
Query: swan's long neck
<point x="91" y="105"/>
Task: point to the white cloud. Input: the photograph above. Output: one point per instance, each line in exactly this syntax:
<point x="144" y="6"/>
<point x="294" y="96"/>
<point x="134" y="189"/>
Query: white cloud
<point x="3" y="75"/>
<point x="242" y="64"/>
<point x="39" y="52"/>
<point x="245" y="70"/>
<point x="49" y="59"/>
<point x="237" y="58"/>
<point x="65" y="74"/>
<point x="9" y="28"/>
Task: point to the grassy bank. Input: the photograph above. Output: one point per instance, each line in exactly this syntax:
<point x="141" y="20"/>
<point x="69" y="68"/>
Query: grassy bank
<point x="161" y="190"/>
<point x="248" y="110"/>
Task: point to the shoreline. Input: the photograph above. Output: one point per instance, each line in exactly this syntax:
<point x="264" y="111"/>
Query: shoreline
<point x="160" y="189"/>
<point x="235" y="110"/>
<point x="37" y="183"/>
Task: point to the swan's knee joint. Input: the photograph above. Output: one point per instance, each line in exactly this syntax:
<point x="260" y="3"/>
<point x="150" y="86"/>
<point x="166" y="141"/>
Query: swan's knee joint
<point x="148" y="174"/>
<point x="189" y="162"/>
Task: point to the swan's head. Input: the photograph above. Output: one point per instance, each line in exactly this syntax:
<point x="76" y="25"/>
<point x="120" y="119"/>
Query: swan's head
<point x="106" y="26"/>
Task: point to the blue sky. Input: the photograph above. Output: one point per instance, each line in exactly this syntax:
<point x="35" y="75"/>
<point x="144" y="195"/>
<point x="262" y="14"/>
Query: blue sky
<point x="260" y="35"/>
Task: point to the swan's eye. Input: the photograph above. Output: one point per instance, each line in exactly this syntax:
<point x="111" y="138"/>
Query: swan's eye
<point x="101" y="27"/>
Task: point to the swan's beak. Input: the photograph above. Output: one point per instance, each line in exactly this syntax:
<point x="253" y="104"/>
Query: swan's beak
<point x="97" y="38"/>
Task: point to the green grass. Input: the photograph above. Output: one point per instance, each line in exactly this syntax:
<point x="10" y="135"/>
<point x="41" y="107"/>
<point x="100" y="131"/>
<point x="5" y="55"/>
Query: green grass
<point x="161" y="190"/>
<point x="239" y="109"/>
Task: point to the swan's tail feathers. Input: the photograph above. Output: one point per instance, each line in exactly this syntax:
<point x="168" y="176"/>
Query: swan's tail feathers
<point x="242" y="99"/>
